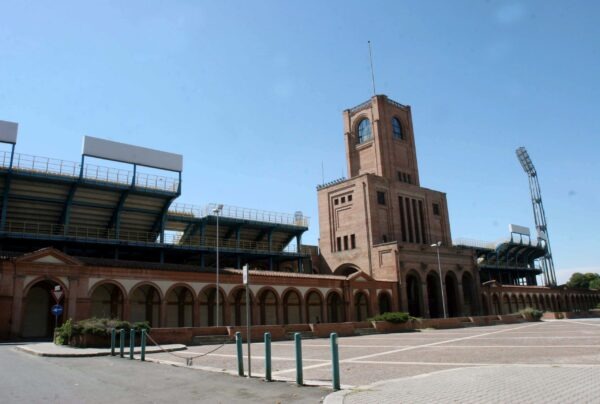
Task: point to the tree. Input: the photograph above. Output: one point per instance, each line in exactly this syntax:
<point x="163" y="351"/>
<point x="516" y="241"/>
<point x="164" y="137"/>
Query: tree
<point x="584" y="281"/>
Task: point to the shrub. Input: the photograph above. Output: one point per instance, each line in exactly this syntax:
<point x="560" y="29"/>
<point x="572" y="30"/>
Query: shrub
<point x="532" y="313"/>
<point x="62" y="335"/>
<point x="94" y="326"/>
<point x="396" y="317"/>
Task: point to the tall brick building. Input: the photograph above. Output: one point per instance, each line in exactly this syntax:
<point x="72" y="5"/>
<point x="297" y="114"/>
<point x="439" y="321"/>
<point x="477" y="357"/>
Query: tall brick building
<point x="382" y="222"/>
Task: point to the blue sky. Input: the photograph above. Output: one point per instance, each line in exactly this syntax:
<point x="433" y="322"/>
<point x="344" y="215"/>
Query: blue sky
<point x="251" y="93"/>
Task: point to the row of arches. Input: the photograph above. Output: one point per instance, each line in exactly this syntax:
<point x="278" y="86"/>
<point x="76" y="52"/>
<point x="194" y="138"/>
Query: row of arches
<point x="180" y="306"/>
<point x="183" y="309"/>
<point x="508" y="303"/>
<point x="427" y="298"/>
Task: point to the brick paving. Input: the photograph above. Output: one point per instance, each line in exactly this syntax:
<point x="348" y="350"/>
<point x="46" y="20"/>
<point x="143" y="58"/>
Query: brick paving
<point x="499" y="384"/>
<point x="524" y="357"/>
<point x="551" y="361"/>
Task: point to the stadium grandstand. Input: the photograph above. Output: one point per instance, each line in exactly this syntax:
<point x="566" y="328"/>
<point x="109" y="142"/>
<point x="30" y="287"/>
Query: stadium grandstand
<point x="104" y="212"/>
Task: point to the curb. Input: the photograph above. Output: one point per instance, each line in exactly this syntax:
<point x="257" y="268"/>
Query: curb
<point x="83" y="354"/>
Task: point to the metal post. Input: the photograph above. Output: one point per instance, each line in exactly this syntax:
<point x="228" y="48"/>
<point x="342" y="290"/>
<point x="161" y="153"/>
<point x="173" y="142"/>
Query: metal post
<point x="121" y="342"/>
<point x="143" y="343"/>
<point x="268" y="356"/>
<point x="216" y="211"/>
<point x="437" y="246"/>
<point x="240" y="355"/>
<point x="113" y="341"/>
<point x="131" y="343"/>
<point x="298" y="344"/>
<point x="248" y="331"/>
<point x="217" y="322"/>
<point x="335" y="362"/>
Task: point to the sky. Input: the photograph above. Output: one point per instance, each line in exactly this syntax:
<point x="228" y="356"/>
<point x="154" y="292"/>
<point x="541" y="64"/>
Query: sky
<point x="251" y="93"/>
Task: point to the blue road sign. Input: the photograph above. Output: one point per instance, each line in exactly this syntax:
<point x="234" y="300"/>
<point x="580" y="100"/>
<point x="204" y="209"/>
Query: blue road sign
<point x="57" y="310"/>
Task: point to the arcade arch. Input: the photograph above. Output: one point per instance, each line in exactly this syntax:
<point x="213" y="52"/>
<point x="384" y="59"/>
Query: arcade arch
<point x="107" y="301"/>
<point x="145" y="303"/>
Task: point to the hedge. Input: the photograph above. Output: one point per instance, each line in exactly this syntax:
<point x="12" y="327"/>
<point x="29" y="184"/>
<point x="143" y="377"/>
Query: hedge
<point x="396" y="317"/>
<point x="94" y="326"/>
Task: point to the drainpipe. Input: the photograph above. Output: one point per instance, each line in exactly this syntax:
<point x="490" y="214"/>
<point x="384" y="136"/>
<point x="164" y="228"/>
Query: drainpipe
<point x="366" y="201"/>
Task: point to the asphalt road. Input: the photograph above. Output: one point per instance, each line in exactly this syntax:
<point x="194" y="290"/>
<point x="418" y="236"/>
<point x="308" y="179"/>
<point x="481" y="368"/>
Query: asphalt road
<point x="26" y="378"/>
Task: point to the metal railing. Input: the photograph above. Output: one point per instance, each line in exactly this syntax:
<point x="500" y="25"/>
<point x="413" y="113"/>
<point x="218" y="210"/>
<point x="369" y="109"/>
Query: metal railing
<point x="47" y="230"/>
<point x="235" y="212"/>
<point x="71" y="169"/>
<point x="364" y="105"/>
<point x="492" y="245"/>
<point x="330" y="183"/>
<point x="467" y="242"/>
<point x="397" y="104"/>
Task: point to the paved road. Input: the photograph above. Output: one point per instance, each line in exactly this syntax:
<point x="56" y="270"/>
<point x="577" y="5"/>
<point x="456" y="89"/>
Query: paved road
<point x="26" y="378"/>
<point x="369" y="359"/>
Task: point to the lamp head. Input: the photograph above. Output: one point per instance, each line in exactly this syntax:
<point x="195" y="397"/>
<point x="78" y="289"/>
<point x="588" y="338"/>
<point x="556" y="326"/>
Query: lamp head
<point x="218" y="209"/>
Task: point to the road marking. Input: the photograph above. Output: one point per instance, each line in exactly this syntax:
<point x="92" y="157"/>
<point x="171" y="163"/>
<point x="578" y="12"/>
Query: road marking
<point x="517" y="346"/>
<point x="579" y="322"/>
<point x="191" y="353"/>
<point x="409" y="348"/>
<point x="571" y="365"/>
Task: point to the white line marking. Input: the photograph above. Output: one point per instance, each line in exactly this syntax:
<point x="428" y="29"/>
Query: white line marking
<point x="579" y="322"/>
<point x="478" y="364"/>
<point x="409" y="348"/>
<point x="517" y="346"/>
<point x="279" y="358"/>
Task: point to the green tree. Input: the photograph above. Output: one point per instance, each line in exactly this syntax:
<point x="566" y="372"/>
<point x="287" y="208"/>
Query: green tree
<point x="584" y="281"/>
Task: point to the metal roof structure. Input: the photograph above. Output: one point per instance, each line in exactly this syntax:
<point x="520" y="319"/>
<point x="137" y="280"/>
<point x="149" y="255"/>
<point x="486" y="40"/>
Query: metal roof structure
<point x="105" y="212"/>
<point x="508" y="261"/>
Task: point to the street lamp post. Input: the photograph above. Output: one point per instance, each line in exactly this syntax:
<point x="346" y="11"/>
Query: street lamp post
<point x="216" y="211"/>
<point x="437" y="247"/>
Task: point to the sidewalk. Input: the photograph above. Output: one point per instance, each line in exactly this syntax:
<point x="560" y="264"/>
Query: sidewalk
<point x="64" y="351"/>
<point x="495" y="384"/>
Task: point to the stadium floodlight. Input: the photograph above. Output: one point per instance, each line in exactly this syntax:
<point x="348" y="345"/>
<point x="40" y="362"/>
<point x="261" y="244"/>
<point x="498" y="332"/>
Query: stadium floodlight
<point x="525" y="161"/>
<point x="217" y="210"/>
<point x="539" y="215"/>
<point x="437" y="247"/>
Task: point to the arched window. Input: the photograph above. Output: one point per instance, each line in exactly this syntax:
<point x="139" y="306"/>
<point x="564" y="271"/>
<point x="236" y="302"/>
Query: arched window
<point x="396" y="128"/>
<point x="364" y="131"/>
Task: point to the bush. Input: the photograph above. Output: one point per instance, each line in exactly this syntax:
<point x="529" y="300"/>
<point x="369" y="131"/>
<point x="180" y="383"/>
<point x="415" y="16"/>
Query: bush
<point x="534" y="314"/>
<point x="62" y="334"/>
<point x="94" y="326"/>
<point x="397" y="317"/>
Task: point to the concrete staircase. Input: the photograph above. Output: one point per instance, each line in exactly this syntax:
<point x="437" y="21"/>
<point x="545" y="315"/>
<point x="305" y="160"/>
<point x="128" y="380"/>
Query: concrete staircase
<point x="303" y="335"/>
<point x="365" y="331"/>
<point x="211" y="339"/>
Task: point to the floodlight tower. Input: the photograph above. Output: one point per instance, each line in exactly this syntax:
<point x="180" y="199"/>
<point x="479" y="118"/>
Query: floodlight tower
<point x="539" y="215"/>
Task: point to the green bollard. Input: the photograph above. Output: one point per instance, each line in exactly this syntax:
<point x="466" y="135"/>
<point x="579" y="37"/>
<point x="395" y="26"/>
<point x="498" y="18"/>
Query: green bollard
<point x="143" y="341"/>
<point x="298" y="343"/>
<point x="113" y="341"/>
<point x="122" y="343"/>
<point x="131" y="343"/>
<point x="268" y="356"/>
<point x="335" y="361"/>
<point x="240" y="354"/>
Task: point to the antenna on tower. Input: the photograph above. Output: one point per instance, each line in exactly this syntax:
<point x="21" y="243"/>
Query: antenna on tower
<point x="372" y="71"/>
<point x="539" y="214"/>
